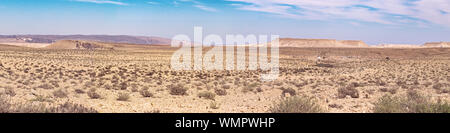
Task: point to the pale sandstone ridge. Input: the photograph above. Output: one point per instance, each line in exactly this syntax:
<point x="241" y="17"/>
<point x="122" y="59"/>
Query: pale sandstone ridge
<point x="437" y="44"/>
<point x="291" y="42"/>
<point x="397" y="46"/>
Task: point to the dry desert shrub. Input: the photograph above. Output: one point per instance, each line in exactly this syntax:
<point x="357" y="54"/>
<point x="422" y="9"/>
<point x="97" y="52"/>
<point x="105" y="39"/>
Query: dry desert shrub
<point x="247" y="89"/>
<point x="207" y="95"/>
<point x="437" y="86"/>
<point x="441" y="88"/>
<point x="123" y="97"/>
<point x="46" y="86"/>
<point x="413" y="102"/>
<point x="214" y="105"/>
<point x="447" y="90"/>
<point x="335" y="106"/>
<point x="93" y="94"/>
<point x="123" y="86"/>
<point x="250" y="87"/>
<point x="350" y="90"/>
<point x="226" y="86"/>
<point x="426" y="84"/>
<point x="41" y="98"/>
<point x="380" y="83"/>
<point x="297" y="104"/>
<point x="60" y="93"/>
<point x="79" y="91"/>
<point x="67" y="107"/>
<point x="10" y="91"/>
<point x="392" y="90"/>
<point x="146" y="93"/>
<point x="289" y="91"/>
<point x="259" y="89"/>
<point x="178" y="89"/>
<point x="221" y="92"/>
<point x="4" y="104"/>
<point x="134" y="87"/>
<point x="278" y="83"/>
<point x="154" y="111"/>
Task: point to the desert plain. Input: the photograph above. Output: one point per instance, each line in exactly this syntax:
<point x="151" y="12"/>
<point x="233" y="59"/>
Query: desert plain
<point x="129" y="78"/>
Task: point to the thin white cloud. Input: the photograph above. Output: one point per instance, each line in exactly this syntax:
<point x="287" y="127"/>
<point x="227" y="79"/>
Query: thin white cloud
<point x="193" y="1"/>
<point x="152" y="3"/>
<point x="378" y="11"/>
<point x="196" y="4"/>
<point x="205" y="8"/>
<point x="104" y="2"/>
<point x="175" y="3"/>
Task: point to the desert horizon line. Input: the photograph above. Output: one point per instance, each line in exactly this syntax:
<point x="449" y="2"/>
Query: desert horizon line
<point x="169" y="38"/>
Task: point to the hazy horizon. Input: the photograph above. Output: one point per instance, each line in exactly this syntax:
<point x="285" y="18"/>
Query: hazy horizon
<point x="372" y="21"/>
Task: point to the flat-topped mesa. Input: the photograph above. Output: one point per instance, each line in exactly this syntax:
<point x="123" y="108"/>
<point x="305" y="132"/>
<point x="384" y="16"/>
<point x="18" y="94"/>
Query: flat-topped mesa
<point x="291" y="42"/>
<point x="437" y="44"/>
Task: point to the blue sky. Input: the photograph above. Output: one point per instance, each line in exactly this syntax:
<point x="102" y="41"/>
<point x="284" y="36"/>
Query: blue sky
<point x="373" y="21"/>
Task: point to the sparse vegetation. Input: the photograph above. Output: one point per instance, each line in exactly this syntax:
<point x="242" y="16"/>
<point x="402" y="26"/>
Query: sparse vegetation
<point x="41" y="98"/>
<point x="221" y="92"/>
<point x="437" y="86"/>
<point x="79" y="91"/>
<point x="70" y="75"/>
<point x="60" y="93"/>
<point x="154" y="111"/>
<point x="10" y="91"/>
<point x="297" y="104"/>
<point x="214" y="105"/>
<point x="391" y="90"/>
<point x="247" y="89"/>
<point x="67" y="107"/>
<point x="289" y="91"/>
<point x="146" y="93"/>
<point x="123" y="97"/>
<point x="348" y="91"/>
<point x="46" y="86"/>
<point x="93" y="94"/>
<point x="250" y="87"/>
<point x="4" y="104"/>
<point x="413" y="102"/>
<point x="178" y="89"/>
<point x="207" y="95"/>
<point x="226" y="86"/>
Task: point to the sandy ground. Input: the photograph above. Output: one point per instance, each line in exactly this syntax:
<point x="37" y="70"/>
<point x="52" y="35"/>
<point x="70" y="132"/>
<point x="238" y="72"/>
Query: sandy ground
<point x="25" y="71"/>
<point x="30" y="45"/>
